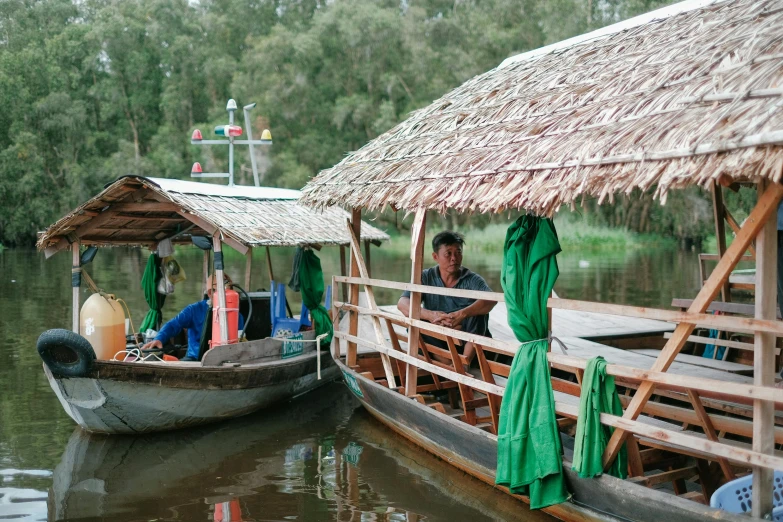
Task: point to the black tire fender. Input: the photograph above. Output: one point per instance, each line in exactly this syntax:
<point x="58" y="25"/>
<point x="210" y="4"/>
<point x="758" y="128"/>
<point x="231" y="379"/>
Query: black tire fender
<point x="67" y="354"/>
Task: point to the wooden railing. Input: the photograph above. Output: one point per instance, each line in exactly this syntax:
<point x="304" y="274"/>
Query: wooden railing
<point x="694" y="387"/>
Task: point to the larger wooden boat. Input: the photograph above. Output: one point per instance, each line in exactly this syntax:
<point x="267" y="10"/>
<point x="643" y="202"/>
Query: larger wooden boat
<point x="124" y="396"/>
<point x="687" y="95"/>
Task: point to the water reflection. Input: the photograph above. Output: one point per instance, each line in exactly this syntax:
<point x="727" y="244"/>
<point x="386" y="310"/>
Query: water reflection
<point x="330" y="465"/>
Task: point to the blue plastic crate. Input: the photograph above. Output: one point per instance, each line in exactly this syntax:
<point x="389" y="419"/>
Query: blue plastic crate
<point x="735" y="496"/>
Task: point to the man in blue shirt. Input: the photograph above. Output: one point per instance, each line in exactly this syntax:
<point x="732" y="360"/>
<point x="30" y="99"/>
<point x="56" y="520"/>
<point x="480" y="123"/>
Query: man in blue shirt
<point x="191" y="318"/>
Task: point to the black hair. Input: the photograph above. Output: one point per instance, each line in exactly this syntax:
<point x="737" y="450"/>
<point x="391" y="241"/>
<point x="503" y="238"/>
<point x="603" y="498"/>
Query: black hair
<point x="447" y="237"/>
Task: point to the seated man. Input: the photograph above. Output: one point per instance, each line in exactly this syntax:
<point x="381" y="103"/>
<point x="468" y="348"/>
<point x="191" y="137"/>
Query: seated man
<point x="193" y="317"/>
<point x="468" y="315"/>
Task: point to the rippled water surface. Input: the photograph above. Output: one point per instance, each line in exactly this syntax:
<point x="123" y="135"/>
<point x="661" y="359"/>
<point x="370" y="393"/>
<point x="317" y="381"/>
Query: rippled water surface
<point x="320" y="457"/>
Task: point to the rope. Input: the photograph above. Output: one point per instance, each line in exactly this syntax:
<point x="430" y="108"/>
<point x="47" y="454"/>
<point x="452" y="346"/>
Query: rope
<point x="548" y="339"/>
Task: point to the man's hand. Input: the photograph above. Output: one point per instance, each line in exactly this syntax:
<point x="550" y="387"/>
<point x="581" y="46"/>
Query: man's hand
<point x="457" y="317"/>
<point x="152" y="344"/>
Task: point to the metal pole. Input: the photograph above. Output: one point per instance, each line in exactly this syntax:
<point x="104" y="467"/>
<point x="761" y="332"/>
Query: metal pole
<point x="246" y="110"/>
<point x="230" y="151"/>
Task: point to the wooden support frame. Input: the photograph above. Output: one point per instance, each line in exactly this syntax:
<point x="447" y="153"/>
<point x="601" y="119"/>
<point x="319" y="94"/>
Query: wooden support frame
<point x="269" y="271"/>
<point x="709" y="431"/>
<point x="376" y="322"/>
<point x="758" y="217"/>
<point x="248" y="268"/>
<point x="217" y="246"/>
<point x="343" y="272"/>
<point x="764" y="356"/>
<point x="353" y="317"/>
<point x="414" y="312"/>
<point x="720" y="234"/>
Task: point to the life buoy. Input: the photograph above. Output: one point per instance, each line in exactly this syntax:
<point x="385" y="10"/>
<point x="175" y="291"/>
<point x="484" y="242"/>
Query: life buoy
<point x="67" y="354"/>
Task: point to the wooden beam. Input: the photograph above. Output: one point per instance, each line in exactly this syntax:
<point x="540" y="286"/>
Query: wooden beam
<point x="718" y="210"/>
<point x="424" y="289"/>
<point x="75" y="256"/>
<point x="210" y="229"/>
<point x="152" y="206"/>
<point x="343" y="272"/>
<point x="376" y="322"/>
<point x="205" y="274"/>
<point x="764" y="356"/>
<point x="353" y="317"/>
<point x="269" y="270"/>
<point x="414" y="311"/>
<point x="248" y="268"/>
<point x="367" y="245"/>
<point x="719" y="342"/>
<point x="217" y="246"/>
<point x="709" y="431"/>
<point x="735" y="227"/>
<point x="720" y="322"/>
<point x="758" y="217"/>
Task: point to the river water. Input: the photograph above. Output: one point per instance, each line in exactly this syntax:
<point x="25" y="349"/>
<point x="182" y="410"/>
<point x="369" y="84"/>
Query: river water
<point x="320" y="457"/>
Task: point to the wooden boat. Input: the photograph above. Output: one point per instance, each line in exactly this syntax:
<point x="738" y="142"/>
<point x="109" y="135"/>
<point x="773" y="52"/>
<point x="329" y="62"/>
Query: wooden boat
<point x="231" y="380"/>
<point x="586" y="118"/>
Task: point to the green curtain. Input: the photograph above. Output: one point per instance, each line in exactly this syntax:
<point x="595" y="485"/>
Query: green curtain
<point x="311" y="284"/>
<point x="529" y="451"/>
<point x="149" y="283"/>
<point x="599" y="395"/>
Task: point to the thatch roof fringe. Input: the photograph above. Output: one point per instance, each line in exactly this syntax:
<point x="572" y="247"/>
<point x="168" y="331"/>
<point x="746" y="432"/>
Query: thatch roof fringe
<point x="668" y="103"/>
<point x="141" y="211"/>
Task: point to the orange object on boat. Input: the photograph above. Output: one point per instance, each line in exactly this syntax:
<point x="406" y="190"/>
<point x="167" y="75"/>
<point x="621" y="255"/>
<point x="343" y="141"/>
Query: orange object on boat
<point x="232" y="319"/>
<point x="169" y="358"/>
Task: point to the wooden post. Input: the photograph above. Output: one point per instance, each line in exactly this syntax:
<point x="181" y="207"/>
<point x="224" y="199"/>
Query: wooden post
<point x="718" y="212"/>
<point x="248" y="268"/>
<point x="206" y="273"/>
<point x="764" y="357"/>
<point x="217" y="246"/>
<point x="417" y="259"/>
<point x="376" y="322"/>
<point x="343" y="273"/>
<point x="269" y="269"/>
<point x="76" y="287"/>
<point x="367" y="258"/>
<point x="709" y="430"/>
<point x="353" y="316"/>
<point x="766" y="207"/>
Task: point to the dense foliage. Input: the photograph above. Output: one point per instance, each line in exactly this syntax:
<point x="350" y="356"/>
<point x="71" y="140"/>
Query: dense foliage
<point x="92" y="90"/>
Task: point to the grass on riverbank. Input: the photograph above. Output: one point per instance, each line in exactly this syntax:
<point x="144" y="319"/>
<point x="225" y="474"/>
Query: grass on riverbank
<point x="572" y="234"/>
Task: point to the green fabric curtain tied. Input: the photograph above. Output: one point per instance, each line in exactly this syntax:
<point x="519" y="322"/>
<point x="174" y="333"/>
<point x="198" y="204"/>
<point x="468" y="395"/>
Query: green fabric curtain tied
<point x="311" y="284"/>
<point x="529" y="452"/>
<point x="149" y="283"/>
<point x="599" y="395"/>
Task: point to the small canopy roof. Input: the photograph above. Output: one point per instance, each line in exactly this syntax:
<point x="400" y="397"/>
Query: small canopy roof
<point x="676" y="97"/>
<point x="142" y="211"/>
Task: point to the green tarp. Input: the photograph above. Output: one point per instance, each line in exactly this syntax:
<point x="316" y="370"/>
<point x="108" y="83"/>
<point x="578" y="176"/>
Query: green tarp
<point x="311" y="284"/>
<point x="149" y="283"/>
<point x="599" y="395"/>
<point x="529" y="451"/>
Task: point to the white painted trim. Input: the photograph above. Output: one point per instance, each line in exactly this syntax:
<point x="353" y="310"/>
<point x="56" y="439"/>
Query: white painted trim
<point x="211" y="189"/>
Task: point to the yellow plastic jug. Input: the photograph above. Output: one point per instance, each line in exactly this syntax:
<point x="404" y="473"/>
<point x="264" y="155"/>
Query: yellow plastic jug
<point x="102" y="322"/>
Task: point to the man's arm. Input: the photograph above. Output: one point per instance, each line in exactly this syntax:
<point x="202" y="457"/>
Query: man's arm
<point x="171" y="328"/>
<point x="434" y="317"/>
<point x="480" y="307"/>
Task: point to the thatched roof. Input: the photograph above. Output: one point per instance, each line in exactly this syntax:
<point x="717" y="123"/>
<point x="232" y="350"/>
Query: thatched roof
<point x="141" y="211"/>
<point x="676" y="97"/>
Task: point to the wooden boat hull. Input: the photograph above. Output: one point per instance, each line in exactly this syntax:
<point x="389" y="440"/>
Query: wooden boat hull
<point x="117" y="397"/>
<point x="474" y="451"/>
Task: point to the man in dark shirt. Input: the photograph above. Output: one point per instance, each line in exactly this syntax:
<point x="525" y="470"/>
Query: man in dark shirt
<point x="461" y="313"/>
